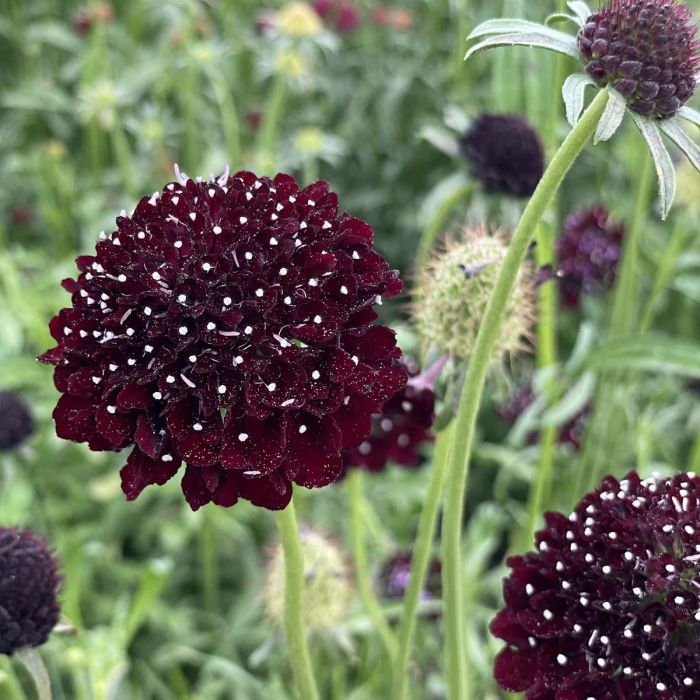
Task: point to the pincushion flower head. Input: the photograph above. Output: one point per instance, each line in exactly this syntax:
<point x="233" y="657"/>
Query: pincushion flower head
<point x="29" y="582"/>
<point x="403" y="424"/>
<point x="588" y="252"/>
<point x="608" y="606"/>
<point x="396" y="572"/>
<point x="453" y="292"/>
<point x="16" y="422"/>
<point x="504" y="153"/>
<point x="342" y="15"/>
<point x="644" y="52"/>
<point x="227" y="324"/>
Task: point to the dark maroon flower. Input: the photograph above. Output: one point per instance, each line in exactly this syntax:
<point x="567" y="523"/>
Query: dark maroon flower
<point x="82" y="22"/>
<point x="609" y="605"/>
<point x="396" y="572"/>
<point x="570" y="433"/>
<point x="588" y="252"/>
<point x="402" y="425"/>
<point x="505" y="154"/>
<point x="341" y="15"/>
<point x="16" y="423"/>
<point x="228" y="324"/>
<point x="645" y="49"/>
<point x="29" y="582"/>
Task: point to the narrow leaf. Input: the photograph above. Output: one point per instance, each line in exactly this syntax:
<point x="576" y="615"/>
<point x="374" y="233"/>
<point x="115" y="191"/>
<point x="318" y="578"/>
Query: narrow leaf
<point x="537" y="39"/>
<point x="673" y="129"/>
<point x="581" y="10"/>
<point x="559" y="17"/>
<point x="665" y="171"/>
<point x="692" y="115"/>
<point x="573" y="92"/>
<point x="612" y="117"/>
<point x="652" y="353"/>
<point x="34" y="665"/>
<point x="516" y="26"/>
<point x="572" y="403"/>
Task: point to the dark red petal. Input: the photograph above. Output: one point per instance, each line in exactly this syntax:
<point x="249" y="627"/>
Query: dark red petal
<point x="141" y="471"/>
<point x="515" y="670"/>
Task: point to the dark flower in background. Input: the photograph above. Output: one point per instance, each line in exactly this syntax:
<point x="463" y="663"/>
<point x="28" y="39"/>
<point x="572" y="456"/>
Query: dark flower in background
<point x="396" y="572"/>
<point x="505" y="154"/>
<point x="608" y="607"/>
<point x="402" y="426"/>
<point x="16" y="423"/>
<point x="29" y="582"/>
<point x="570" y="433"/>
<point x="645" y="49"/>
<point x="341" y="15"/>
<point x="228" y="324"/>
<point x="588" y="252"/>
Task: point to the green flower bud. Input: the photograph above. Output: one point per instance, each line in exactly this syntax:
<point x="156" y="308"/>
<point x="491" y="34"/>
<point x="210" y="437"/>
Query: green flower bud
<point x="327" y="590"/>
<point x="455" y="288"/>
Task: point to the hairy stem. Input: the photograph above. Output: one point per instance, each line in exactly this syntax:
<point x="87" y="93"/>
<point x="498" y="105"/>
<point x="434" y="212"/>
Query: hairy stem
<point x="294" y="627"/>
<point x="458" y="463"/>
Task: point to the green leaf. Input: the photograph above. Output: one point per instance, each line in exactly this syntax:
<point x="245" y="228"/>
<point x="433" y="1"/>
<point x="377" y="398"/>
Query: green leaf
<point x="32" y="661"/>
<point x="572" y="402"/>
<point x="692" y="115"/>
<point x="612" y="117"/>
<point x="573" y="91"/>
<point x="558" y="17"/>
<point x="517" y="26"/>
<point x="539" y="39"/>
<point x="651" y="353"/>
<point x="443" y="139"/>
<point x="673" y="129"/>
<point x="665" y="170"/>
<point x="581" y="10"/>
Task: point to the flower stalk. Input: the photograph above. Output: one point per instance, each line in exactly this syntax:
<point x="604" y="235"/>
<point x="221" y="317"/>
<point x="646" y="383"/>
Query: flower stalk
<point x="359" y="552"/>
<point x="294" y="626"/>
<point x="420" y="561"/>
<point x="458" y="463"/>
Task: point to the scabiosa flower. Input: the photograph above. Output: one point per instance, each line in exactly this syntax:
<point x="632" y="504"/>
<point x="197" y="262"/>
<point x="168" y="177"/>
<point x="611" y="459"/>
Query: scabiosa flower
<point x="29" y="582"/>
<point x="588" y="252"/>
<point x="454" y="289"/>
<point x="328" y="586"/>
<point x="298" y="20"/>
<point x="608" y="607"/>
<point x="645" y="49"/>
<point x="342" y="15"/>
<point x="228" y="324"/>
<point x="396" y="572"/>
<point x="643" y="52"/>
<point x="16" y="423"/>
<point x="505" y="154"/>
<point x="570" y="433"/>
<point x="403" y="424"/>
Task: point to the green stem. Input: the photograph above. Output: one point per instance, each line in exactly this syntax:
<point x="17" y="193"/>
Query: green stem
<point x="209" y="562"/>
<point x="604" y="426"/>
<point x="695" y="455"/>
<point x="435" y="225"/>
<point x="31" y="660"/>
<point x="458" y="465"/>
<point x="267" y="144"/>
<point x="420" y="560"/>
<point x="294" y="626"/>
<point x="364" y="579"/>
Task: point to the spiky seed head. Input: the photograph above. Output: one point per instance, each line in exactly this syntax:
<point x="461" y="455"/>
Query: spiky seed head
<point x="327" y="582"/>
<point x="645" y="49"/>
<point x="453" y="292"/>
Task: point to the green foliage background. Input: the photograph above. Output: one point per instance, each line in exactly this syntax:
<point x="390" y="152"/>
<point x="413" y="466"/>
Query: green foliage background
<point x="164" y="603"/>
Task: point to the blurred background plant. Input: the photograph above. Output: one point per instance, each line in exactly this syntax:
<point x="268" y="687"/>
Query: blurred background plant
<point x="98" y="100"/>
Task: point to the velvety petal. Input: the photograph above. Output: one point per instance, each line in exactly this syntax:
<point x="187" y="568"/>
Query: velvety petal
<point x="141" y="471"/>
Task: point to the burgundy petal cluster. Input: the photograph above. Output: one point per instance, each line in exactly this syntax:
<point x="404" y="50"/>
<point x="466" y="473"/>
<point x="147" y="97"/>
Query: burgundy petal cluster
<point x="396" y="572"/>
<point x="29" y="582"/>
<point x="588" y="252"/>
<point x="608" y="607"/>
<point x="402" y="426"/>
<point x="16" y="422"/>
<point x="645" y="49"/>
<point x="341" y="15"/>
<point x="505" y="153"/>
<point x="228" y="324"/>
<point x="570" y="433"/>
